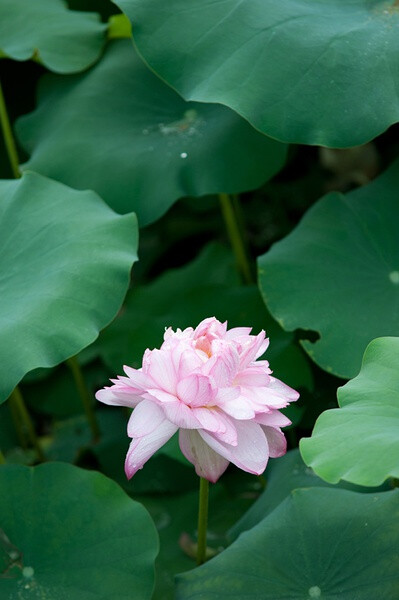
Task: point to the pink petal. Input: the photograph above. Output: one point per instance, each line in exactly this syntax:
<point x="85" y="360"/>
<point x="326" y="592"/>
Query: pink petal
<point x="118" y="396"/>
<point x="223" y="364"/>
<point x="136" y="379"/>
<point x="178" y="334"/>
<point x="232" y="403"/>
<point x="255" y="348"/>
<point x="160" y="396"/>
<point x="264" y="364"/>
<point x="169" y="333"/>
<point x="252" y="451"/>
<point x="145" y="418"/>
<point x="236" y="332"/>
<point x="252" y="376"/>
<point x="196" y="390"/>
<point x="262" y="348"/>
<point x="229" y="436"/>
<point x="210" y="326"/>
<point x="239" y="408"/>
<point x="159" y="366"/>
<point x="208" y="419"/>
<point x="207" y="462"/>
<point x="185" y="360"/>
<point x="262" y="398"/>
<point x="276" y="440"/>
<point x="141" y="449"/>
<point x="283" y="390"/>
<point x="227" y="394"/>
<point x="213" y="420"/>
<point x="181" y="415"/>
<point x="273" y="418"/>
<point x="182" y="354"/>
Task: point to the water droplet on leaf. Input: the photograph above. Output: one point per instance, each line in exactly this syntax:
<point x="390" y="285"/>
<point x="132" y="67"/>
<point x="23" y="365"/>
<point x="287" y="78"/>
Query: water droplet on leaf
<point x="28" y="572"/>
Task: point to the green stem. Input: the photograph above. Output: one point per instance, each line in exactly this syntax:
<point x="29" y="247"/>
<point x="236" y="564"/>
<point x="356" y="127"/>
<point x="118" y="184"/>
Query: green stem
<point x="85" y="397"/>
<point x="23" y="442"/>
<point x="235" y="198"/>
<point x="2" y="458"/>
<point x="202" y="520"/>
<point x="8" y="137"/>
<point x="18" y="402"/>
<point x="236" y="237"/>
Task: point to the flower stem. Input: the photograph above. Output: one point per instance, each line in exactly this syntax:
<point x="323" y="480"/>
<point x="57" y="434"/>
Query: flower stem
<point x="8" y="137"/>
<point x="16" y="400"/>
<point x="202" y="520"/>
<point x="2" y="458"/>
<point x="236" y="237"/>
<point x="85" y="397"/>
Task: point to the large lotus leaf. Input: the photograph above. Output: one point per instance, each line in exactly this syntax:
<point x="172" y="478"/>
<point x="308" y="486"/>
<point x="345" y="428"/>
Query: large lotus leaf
<point x="359" y="442"/>
<point x="338" y="273"/>
<point x="319" y="543"/>
<point x="182" y="298"/>
<point x="284" y="475"/>
<point x="298" y="70"/>
<point x="67" y="533"/>
<point x="65" y="262"/>
<point x="65" y="41"/>
<point x="121" y="131"/>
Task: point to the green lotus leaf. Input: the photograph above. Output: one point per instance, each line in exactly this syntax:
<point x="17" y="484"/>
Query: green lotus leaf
<point x="298" y="70"/>
<point x="65" y="265"/>
<point x="283" y="476"/>
<point x="70" y="533"/>
<point x="337" y="273"/>
<point x="319" y="543"/>
<point x="359" y="442"/>
<point x="65" y="41"/>
<point x="122" y="132"/>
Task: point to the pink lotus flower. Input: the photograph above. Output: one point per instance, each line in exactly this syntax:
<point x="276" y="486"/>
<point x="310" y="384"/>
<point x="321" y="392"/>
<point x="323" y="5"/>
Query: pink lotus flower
<point x="207" y="383"/>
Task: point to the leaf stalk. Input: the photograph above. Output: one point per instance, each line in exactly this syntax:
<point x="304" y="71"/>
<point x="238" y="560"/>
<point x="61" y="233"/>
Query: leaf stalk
<point x="85" y="397"/>
<point x="26" y="424"/>
<point x="9" y="140"/>
<point x="235" y="233"/>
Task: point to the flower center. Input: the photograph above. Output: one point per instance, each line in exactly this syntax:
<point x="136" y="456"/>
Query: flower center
<point x="204" y="345"/>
